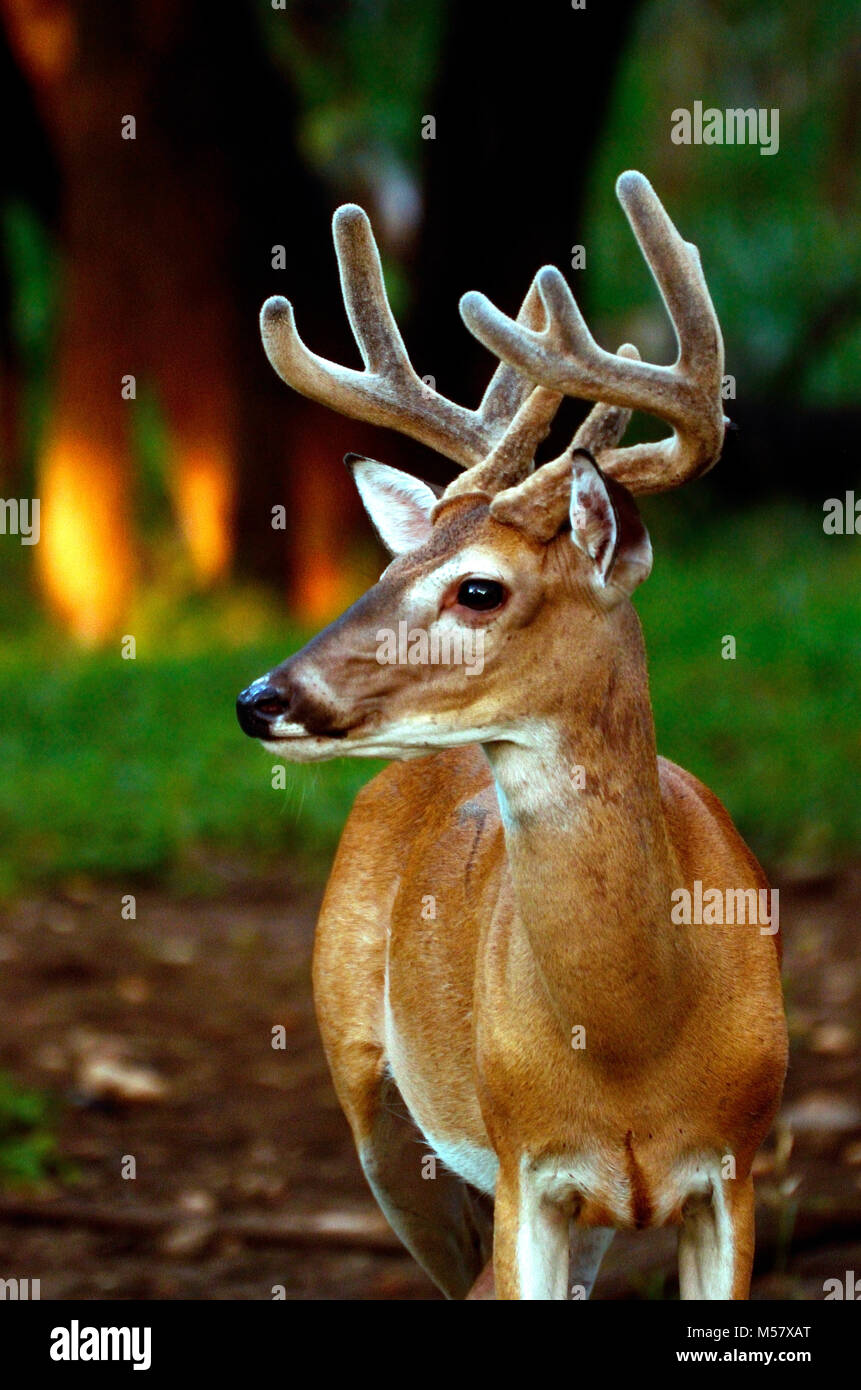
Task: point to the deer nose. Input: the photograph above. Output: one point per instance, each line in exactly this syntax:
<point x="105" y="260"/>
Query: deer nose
<point x="258" y="706"/>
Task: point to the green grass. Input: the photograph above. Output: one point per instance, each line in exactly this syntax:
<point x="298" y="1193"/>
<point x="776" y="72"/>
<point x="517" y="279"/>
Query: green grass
<point x="774" y="732"/>
<point x="29" y="1151"/>
<point x="119" y="768"/>
<point x="129" y="769"/>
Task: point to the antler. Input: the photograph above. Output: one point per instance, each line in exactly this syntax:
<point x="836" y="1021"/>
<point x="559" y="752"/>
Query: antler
<point x="563" y="356"/>
<point x="388" y="392"/>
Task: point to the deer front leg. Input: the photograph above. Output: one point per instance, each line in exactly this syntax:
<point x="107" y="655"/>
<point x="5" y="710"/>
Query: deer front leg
<point x="586" y="1250"/>
<point x="530" y="1240"/>
<point x="444" y="1224"/>
<point x="716" y="1243"/>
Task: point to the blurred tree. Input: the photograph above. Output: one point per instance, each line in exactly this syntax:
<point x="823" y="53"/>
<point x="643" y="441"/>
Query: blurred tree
<point x="168" y="243"/>
<point x="28" y="198"/>
<point x="358" y="72"/>
<point x="252" y="122"/>
<point x="519" y="108"/>
<point x="362" y="70"/>
<point x="145" y="289"/>
<point x="487" y="193"/>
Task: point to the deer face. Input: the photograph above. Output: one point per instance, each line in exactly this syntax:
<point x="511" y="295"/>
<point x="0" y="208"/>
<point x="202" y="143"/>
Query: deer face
<point x="501" y="595"/>
<point x="474" y="633"/>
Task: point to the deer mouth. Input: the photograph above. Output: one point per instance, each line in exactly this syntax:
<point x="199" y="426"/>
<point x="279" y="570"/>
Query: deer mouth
<point x="298" y="733"/>
<point x="306" y="747"/>
<point x="296" y="742"/>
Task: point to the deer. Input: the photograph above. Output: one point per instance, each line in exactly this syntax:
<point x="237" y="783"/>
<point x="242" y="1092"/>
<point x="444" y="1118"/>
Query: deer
<point x="498" y="982"/>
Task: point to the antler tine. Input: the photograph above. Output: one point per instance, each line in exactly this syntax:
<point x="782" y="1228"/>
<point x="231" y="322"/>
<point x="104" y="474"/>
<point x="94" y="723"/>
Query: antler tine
<point x="676" y="267"/>
<point x="363" y="289"/>
<point x="564" y="356"/>
<point x="522" y="411"/>
<point x="605" y="425"/>
<point x="388" y="392"/>
<point x="512" y="459"/>
<point x="509" y="388"/>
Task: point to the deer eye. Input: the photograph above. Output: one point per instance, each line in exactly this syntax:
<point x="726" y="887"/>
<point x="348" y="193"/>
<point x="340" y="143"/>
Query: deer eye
<point x="481" y="594"/>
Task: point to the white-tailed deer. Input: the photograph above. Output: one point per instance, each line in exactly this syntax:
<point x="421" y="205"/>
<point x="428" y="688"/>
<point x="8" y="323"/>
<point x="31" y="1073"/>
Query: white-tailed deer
<point x="498" y="976"/>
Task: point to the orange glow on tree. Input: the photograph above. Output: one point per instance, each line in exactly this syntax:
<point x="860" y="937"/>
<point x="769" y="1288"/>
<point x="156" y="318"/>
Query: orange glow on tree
<point x="83" y="557"/>
<point x="323" y="583"/>
<point x="204" y="502"/>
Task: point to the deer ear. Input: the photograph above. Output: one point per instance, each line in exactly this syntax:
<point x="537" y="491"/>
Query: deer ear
<point x="607" y="527"/>
<point x="399" y="506"/>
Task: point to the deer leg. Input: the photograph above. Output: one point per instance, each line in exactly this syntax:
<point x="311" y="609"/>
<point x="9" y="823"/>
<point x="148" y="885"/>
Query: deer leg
<point x="445" y="1225"/>
<point x="530" y="1241"/>
<point x="484" y="1288"/>
<point x="716" y="1243"/>
<point x="588" y="1246"/>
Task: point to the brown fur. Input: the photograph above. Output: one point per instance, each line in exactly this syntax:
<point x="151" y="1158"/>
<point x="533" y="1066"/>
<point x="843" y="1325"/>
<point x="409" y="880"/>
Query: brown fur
<point x="551" y="897"/>
<point x="559" y="919"/>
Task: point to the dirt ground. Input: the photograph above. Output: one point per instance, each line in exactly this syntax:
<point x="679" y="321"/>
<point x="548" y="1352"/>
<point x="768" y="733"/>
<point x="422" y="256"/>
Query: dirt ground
<point x="157" y="1033"/>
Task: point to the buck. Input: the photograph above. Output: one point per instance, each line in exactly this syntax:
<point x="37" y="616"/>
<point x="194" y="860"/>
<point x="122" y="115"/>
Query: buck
<point x="496" y="975"/>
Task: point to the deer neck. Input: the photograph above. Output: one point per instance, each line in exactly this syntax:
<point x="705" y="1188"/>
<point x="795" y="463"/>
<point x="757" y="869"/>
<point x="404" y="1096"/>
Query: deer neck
<point x="590" y="856"/>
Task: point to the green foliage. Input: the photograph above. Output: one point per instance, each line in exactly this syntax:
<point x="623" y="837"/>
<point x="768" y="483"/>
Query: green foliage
<point x="119" y="767"/>
<point x="29" y="1154"/>
<point x="776" y="232"/>
<point x="361" y="81"/>
<point x="773" y="732"/>
<point x="122" y="768"/>
<point x="32" y="274"/>
<point x="362" y="72"/>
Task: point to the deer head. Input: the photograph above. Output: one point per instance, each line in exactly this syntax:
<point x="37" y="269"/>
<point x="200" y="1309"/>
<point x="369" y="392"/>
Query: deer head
<point x="507" y="594"/>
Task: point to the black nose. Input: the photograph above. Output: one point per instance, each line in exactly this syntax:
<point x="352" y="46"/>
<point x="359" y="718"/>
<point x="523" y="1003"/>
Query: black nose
<point x="258" y="706"/>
